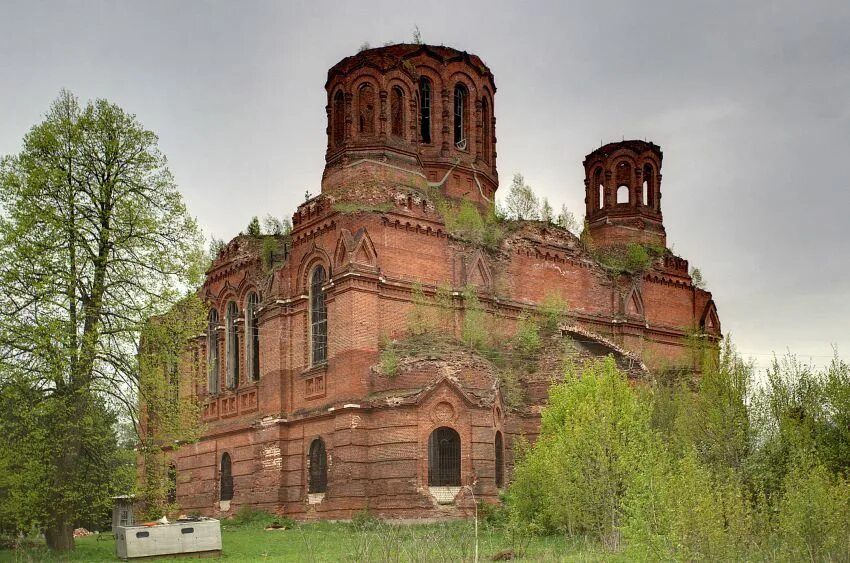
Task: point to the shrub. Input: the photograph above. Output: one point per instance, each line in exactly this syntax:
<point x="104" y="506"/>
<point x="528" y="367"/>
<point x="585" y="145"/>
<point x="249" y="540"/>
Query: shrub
<point x="553" y="311"/>
<point x="389" y="360"/>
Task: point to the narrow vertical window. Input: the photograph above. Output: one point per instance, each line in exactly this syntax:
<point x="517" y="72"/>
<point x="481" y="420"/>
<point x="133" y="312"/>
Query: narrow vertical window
<point x="425" y="110"/>
<point x="500" y="461"/>
<point x="318" y="470"/>
<point x="212" y="353"/>
<point x="648" y="186"/>
<point x="171" y="496"/>
<point x="486" y="123"/>
<point x="232" y="345"/>
<point x="366" y="105"/>
<point x="318" y="316"/>
<point x="338" y="123"/>
<point x="397" y="112"/>
<point x="226" y="479"/>
<point x="597" y="181"/>
<point x="252" y="337"/>
<point x="460" y="116"/>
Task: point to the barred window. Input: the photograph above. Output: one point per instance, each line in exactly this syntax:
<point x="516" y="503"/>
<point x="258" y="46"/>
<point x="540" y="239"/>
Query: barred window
<point x="366" y="103"/>
<point x="486" y="124"/>
<point x="460" y="116"/>
<point x="318" y="470"/>
<point x="318" y="317"/>
<point x="444" y="458"/>
<point x="232" y="345"/>
<point x="397" y="112"/>
<point x="212" y="353"/>
<point x="338" y="122"/>
<point x="425" y="110"/>
<point x="252" y="337"/>
<point x="226" y="477"/>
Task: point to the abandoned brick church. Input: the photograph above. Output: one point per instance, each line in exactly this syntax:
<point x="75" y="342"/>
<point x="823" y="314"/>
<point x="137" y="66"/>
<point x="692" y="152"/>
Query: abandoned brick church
<point x="300" y="415"/>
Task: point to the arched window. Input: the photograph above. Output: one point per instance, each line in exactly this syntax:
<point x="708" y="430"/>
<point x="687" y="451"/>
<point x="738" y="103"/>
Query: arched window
<point x="425" y="110"/>
<point x="212" y="353"/>
<point x="232" y="345"/>
<point x="338" y="123"/>
<point x="623" y="194"/>
<point x="366" y="106"/>
<point x="597" y="181"/>
<point x="500" y="461"/>
<point x="171" y="496"/>
<point x="460" y="116"/>
<point x="318" y="470"/>
<point x="318" y="317"/>
<point x="444" y="458"/>
<point x="648" y="186"/>
<point x="226" y="478"/>
<point x="252" y="337"/>
<point x="486" y="123"/>
<point x="397" y="112"/>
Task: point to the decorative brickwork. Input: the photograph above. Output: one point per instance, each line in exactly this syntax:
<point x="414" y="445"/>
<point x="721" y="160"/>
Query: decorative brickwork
<point x="379" y="243"/>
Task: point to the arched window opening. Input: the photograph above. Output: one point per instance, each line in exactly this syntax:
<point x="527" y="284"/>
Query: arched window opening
<point x="486" y="123"/>
<point x="425" y="110"/>
<point x="226" y="477"/>
<point x="366" y="103"/>
<point x="212" y="353"/>
<point x="648" y="186"/>
<point x="232" y="345"/>
<point x="338" y="123"/>
<point x="318" y="470"/>
<point x="460" y="116"/>
<point x="500" y="461"/>
<point x="397" y="112"/>
<point x="444" y="458"/>
<point x="623" y="194"/>
<point x="318" y="316"/>
<point x="252" y="337"/>
<point x="171" y="496"/>
<point x="597" y="181"/>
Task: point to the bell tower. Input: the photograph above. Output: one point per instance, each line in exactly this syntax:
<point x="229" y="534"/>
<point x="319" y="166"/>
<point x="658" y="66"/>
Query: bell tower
<point x="623" y="194"/>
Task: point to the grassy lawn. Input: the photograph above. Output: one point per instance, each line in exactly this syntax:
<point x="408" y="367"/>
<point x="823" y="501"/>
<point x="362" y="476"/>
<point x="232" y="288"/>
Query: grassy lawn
<point x="323" y="541"/>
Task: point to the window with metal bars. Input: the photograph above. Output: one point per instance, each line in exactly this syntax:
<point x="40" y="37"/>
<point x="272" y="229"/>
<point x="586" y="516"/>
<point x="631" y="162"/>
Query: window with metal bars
<point x="444" y="458"/>
<point x="318" y="317"/>
<point x="212" y="353"/>
<point x="232" y="335"/>
<point x="460" y="116"/>
<point x="226" y="479"/>
<point x="397" y="112"/>
<point x="252" y="336"/>
<point x="424" y="110"/>
<point x="500" y="461"/>
<point x="318" y="470"/>
<point x="338" y="122"/>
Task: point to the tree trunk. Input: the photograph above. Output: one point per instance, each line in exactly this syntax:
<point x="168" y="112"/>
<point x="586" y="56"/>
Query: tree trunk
<point x="60" y="534"/>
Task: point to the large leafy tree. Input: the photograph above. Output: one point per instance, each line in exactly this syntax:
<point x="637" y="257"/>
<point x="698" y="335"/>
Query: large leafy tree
<point x="94" y="239"/>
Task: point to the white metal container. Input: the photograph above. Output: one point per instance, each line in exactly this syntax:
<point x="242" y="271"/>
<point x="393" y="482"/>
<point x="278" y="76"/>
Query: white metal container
<point x="166" y="539"/>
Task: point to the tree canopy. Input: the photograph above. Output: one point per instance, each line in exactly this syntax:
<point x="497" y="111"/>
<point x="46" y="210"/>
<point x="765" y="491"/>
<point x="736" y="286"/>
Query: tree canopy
<point x="94" y="240"/>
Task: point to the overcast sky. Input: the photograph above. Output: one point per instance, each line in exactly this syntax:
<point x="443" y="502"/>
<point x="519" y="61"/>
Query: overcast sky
<point x="750" y="102"/>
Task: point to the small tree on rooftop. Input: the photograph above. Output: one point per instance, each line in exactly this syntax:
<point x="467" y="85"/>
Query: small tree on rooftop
<point x="521" y="203"/>
<point x="253" y="229"/>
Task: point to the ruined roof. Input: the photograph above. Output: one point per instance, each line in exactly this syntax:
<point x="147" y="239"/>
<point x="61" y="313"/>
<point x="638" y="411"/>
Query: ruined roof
<point x="392" y="56"/>
<point x="634" y="145"/>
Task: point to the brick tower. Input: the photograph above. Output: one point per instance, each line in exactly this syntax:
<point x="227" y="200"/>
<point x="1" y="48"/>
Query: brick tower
<point x="623" y="194"/>
<point x="412" y="115"/>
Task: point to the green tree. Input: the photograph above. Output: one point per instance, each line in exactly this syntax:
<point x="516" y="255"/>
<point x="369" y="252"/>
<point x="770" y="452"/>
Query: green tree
<point x="253" y="229"/>
<point x="521" y="203"/>
<point x="94" y="239"/>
